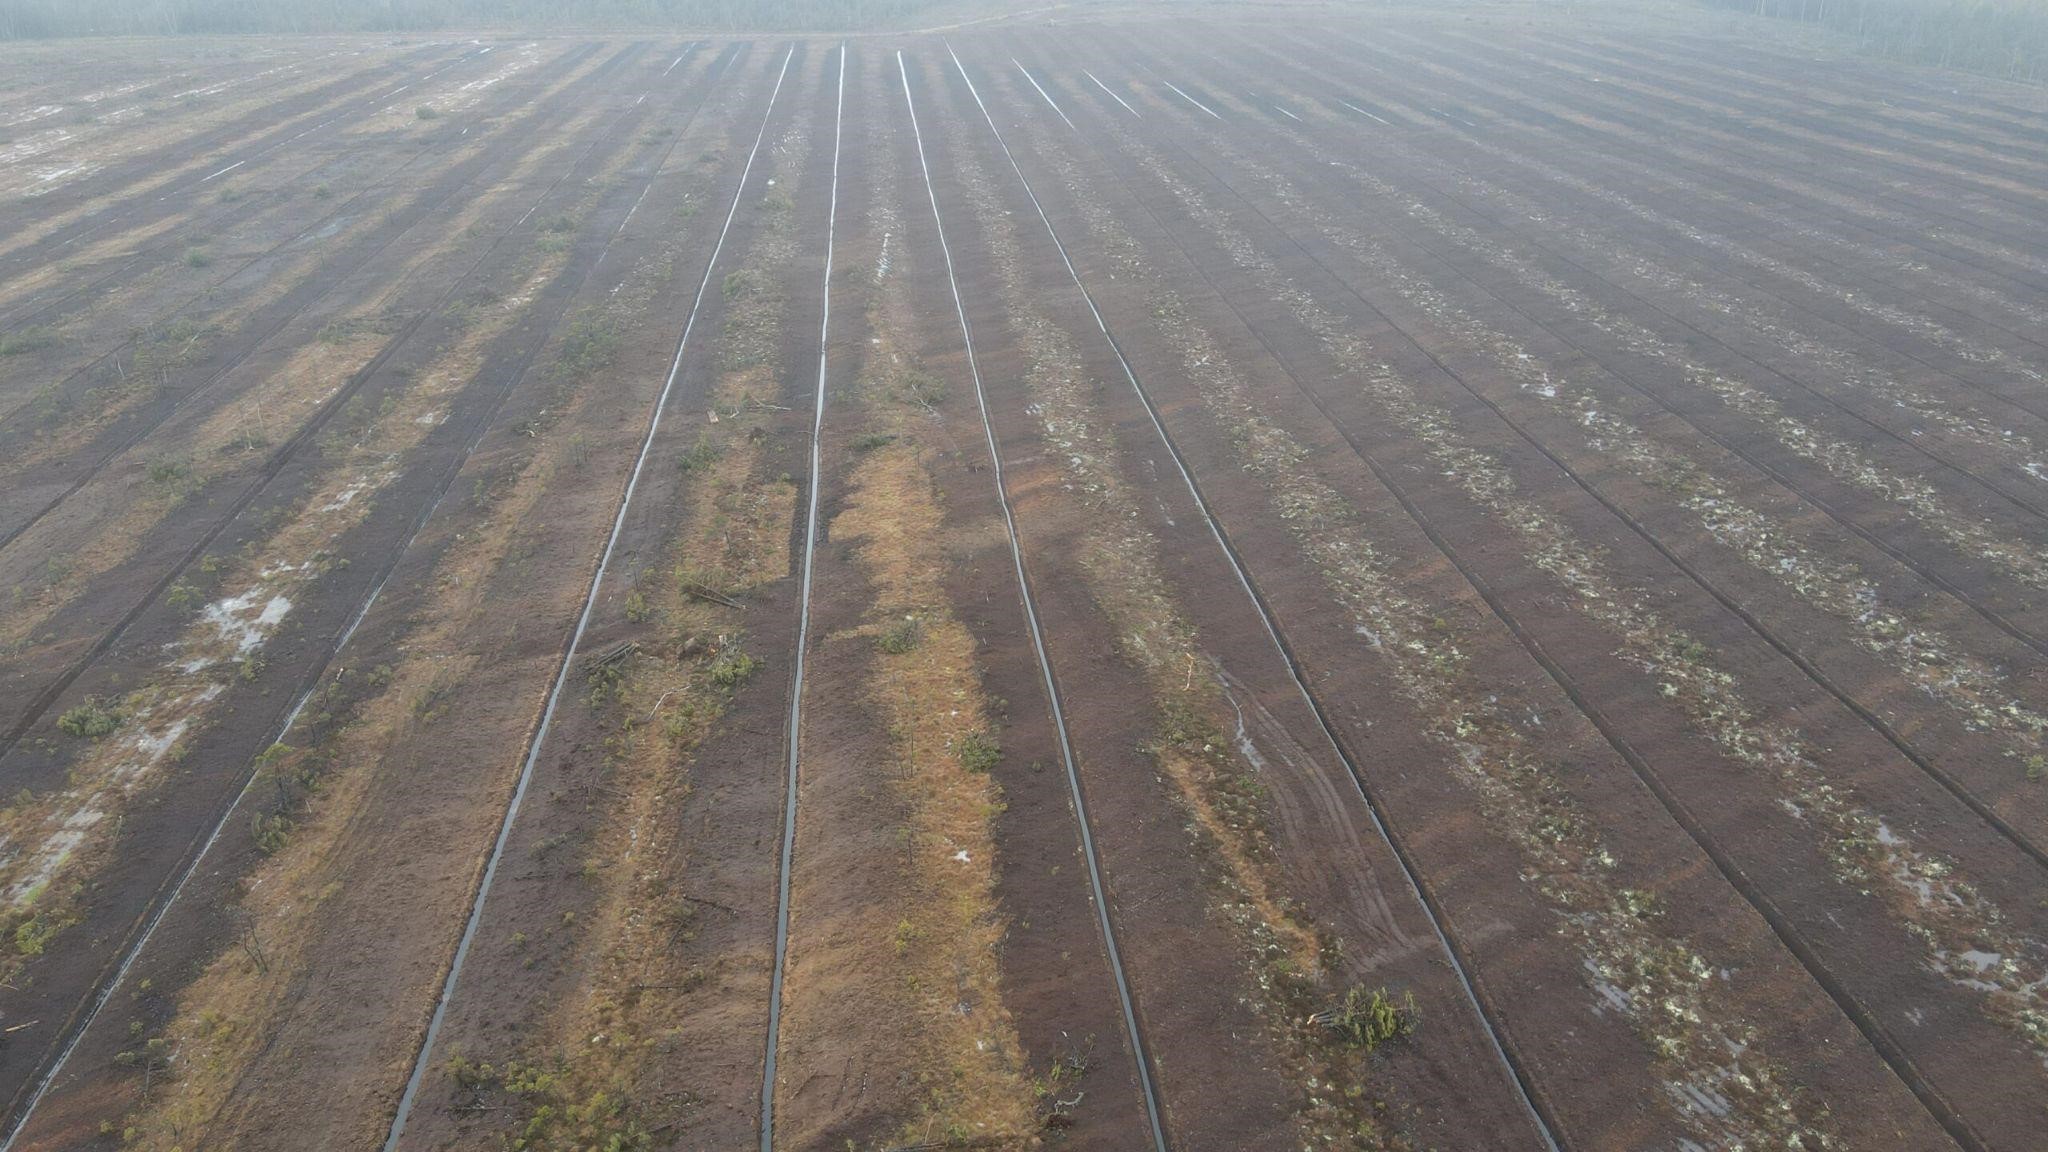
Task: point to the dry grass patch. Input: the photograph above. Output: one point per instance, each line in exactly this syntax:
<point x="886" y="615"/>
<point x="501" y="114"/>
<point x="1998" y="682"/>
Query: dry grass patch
<point x="946" y="940"/>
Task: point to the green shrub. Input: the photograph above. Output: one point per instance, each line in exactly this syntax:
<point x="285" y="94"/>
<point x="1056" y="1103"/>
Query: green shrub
<point x="426" y="112"/>
<point x="590" y="345"/>
<point x="1369" y="1019"/>
<point x="901" y="636"/>
<point x="732" y="668"/>
<point x="978" y="752"/>
<point x="702" y="454"/>
<point x="606" y="682"/>
<point x="90" y="720"/>
<point x="33" y="935"/>
<point x="272" y="830"/>
<point x="25" y="341"/>
<point x="183" y="330"/>
<point x="247" y="440"/>
<point x="923" y="389"/>
<point x="431" y="702"/>
<point x="340" y="331"/>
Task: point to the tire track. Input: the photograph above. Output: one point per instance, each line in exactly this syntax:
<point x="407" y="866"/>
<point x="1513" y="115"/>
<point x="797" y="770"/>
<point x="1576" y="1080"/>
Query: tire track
<point x="1133" y="1035"/>
<point x="475" y="917"/>
<point x="1930" y="570"/>
<point x="1679" y="89"/>
<point x="1844" y="75"/>
<point x="1889" y="113"/>
<point x="1771" y="183"/>
<point x="1921" y="183"/>
<point x="36" y="309"/>
<point x="42" y="249"/>
<point x="1760" y="183"/>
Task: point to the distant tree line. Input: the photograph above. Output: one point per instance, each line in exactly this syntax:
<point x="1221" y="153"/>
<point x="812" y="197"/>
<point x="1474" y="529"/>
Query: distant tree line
<point x="2007" y="38"/>
<point x="26" y="19"/>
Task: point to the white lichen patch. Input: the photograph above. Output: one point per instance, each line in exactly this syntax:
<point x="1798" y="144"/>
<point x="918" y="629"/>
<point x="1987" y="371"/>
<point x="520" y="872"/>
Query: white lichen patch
<point x="224" y="638"/>
<point x="42" y="863"/>
<point x="1918" y="651"/>
<point x="219" y="87"/>
<point x="29" y="148"/>
<point x="105" y="94"/>
<point x="1952" y="413"/>
<point x="30" y="115"/>
<point x="344" y="498"/>
<point x="1856" y="249"/>
<point x="450" y="95"/>
<point x="238" y="627"/>
<point x="50" y="831"/>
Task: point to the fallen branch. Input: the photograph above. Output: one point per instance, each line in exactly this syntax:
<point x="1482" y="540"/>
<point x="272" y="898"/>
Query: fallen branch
<point x="703" y="593"/>
<point x="969" y="1142"/>
<point x="617" y="653"/>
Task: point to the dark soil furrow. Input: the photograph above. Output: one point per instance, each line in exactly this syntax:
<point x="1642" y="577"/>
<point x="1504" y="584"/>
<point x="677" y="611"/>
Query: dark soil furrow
<point x="212" y="517"/>
<point x="257" y="136"/>
<point x="263" y="132"/>
<point x="1752" y="891"/>
<point x="1533" y="1031"/>
<point x="63" y="477"/>
<point x="421" y="488"/>
<point x="1924" y="760"/>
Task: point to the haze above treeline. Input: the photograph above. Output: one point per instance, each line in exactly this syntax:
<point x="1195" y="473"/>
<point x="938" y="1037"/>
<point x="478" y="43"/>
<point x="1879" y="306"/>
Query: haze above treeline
<point x="30" y="19"/>
<point x="2005" y="38"/>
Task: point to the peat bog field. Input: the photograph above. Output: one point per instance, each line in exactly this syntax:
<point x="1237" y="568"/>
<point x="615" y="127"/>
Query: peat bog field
<point x="1249" y="580"/>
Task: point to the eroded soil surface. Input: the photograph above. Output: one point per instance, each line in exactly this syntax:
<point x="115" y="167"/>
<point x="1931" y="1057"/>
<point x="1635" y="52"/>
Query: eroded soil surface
<point x="1321" y="579"/>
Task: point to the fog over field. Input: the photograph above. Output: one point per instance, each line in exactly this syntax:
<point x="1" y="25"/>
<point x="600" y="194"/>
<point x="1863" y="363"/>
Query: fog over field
<point x="670" y="574"/>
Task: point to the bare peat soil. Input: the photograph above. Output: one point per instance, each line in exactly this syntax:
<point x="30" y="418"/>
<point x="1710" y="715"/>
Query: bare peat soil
<point x="1258" y="580"/>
